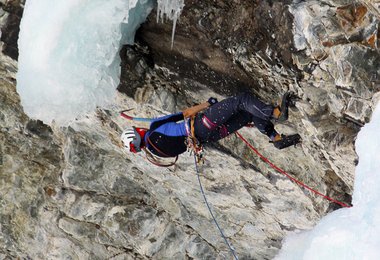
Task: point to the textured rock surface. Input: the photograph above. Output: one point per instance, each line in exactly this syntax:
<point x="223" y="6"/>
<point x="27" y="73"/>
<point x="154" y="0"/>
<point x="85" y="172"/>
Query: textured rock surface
<point x="73" y="192"/>
<point x="10" y="17"/>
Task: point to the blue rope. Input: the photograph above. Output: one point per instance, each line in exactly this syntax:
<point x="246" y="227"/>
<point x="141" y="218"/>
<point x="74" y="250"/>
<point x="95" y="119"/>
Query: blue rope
<point x="209" y="209"/>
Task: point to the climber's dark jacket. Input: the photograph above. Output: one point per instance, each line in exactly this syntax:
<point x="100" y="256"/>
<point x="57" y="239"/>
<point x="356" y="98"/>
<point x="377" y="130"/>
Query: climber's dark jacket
<point x="167" y="134"/>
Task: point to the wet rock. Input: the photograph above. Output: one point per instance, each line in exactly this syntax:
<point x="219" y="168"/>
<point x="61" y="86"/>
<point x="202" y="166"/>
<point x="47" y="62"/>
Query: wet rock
<point x="136" y="63"/>
<point x="37" y="127"/>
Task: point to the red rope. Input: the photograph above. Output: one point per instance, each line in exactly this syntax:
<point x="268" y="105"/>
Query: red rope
<point x="287" y="175"/>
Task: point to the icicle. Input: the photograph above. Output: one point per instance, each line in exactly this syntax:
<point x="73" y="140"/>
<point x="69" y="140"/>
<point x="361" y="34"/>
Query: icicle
<point x="171" y="9"/>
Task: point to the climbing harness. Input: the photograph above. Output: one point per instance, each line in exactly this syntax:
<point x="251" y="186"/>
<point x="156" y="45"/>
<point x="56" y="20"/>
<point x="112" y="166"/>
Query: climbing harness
<point x="287" y="175"/>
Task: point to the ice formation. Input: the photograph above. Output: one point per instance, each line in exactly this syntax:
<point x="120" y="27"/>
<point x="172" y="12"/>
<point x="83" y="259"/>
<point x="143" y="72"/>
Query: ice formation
<point x="349" y="233"/>
<point x="68" y="61"/>
<point x="170" y="9"/>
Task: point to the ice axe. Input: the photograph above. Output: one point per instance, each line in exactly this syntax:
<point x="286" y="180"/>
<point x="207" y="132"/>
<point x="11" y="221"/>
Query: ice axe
<point x="140" y="119"/>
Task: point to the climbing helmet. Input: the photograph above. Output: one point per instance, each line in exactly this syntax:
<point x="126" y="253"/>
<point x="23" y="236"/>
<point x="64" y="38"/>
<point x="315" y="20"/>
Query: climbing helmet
<point x="131" y="140"/>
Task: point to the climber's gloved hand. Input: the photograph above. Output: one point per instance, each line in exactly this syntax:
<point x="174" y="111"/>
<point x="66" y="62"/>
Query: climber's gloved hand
<point x="212" y="101"/>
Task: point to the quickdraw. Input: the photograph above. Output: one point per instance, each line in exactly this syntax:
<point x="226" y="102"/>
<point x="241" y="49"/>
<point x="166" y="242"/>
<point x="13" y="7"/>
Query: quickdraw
<point x="193" y="146"/>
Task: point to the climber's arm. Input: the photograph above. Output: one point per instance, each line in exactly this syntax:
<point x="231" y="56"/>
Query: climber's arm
<point x="192" y="111"/>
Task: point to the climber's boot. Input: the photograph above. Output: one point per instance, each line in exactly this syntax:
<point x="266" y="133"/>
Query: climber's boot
<point x="281" y="113"/>
<point x="283" y="141"/>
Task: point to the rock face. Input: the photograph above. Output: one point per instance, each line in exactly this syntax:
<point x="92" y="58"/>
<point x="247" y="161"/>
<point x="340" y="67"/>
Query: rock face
<point x="74" y="193"/>
<point x="10" y="17"/>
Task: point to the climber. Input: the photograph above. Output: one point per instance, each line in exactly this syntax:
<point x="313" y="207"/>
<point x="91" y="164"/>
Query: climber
<point x="210" y="122"/>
